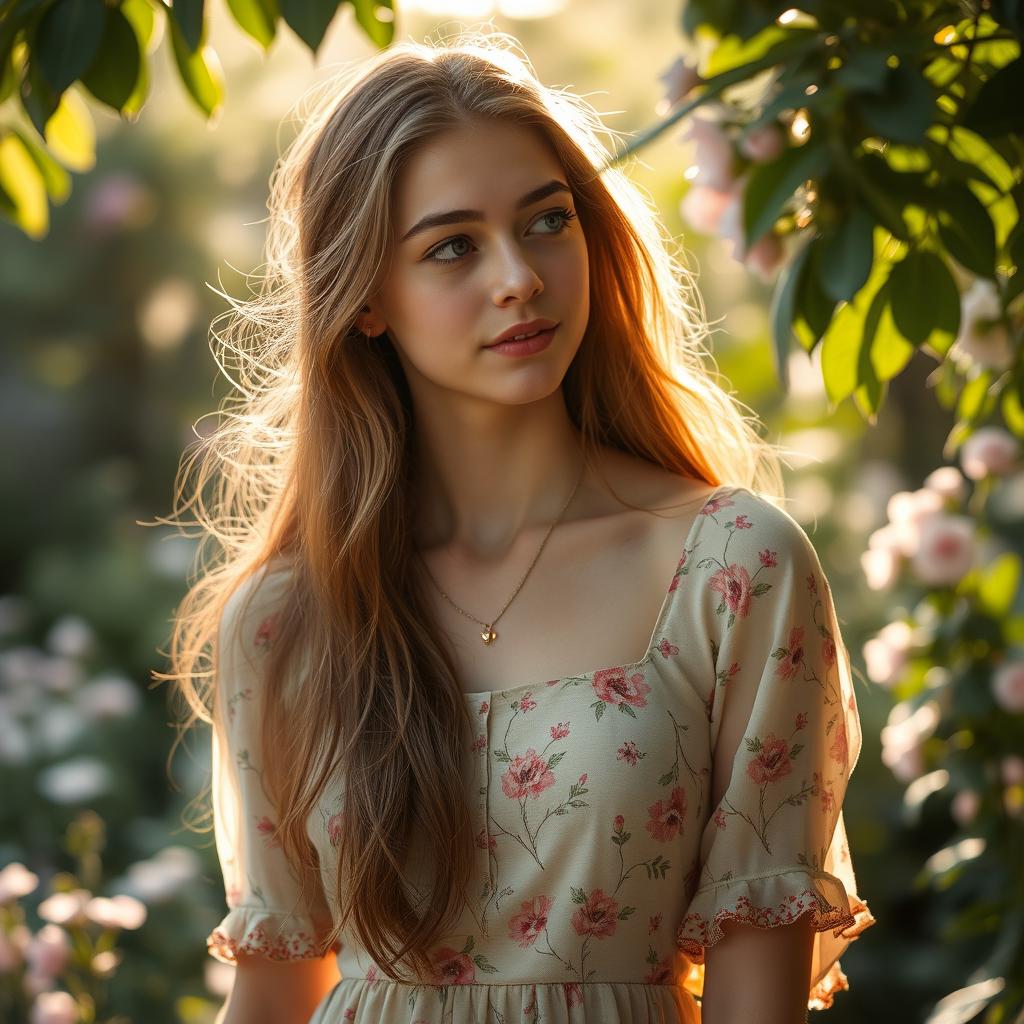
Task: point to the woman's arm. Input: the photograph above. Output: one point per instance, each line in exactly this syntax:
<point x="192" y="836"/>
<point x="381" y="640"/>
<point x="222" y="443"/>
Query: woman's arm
<point x="761" y="974"/>
<point x="278" y="992"/>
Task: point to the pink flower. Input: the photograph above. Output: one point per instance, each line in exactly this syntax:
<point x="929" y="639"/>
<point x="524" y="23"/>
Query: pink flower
<point x="667" y="648"/>
<point x="720" y="818"/>
<point x="629" y="753"/>
<point x="964" y="807"/>
<point x="715" y="505"/>
<point x="660" y="973"/>
<point x="1008" y="686"/>
<point x="801" y="721"/>
<point x="653" y="923"/>
<point x="667" y="816"/>
<point x="840" y="749"/>
<point x="619" y="822"/>
<point x="526" y="926"/>
<point x="677" y="575"/>
<point x="679" y="78"/>
<point x="483" y="707"/>
<point x="597" y="917"/>
<point x="16" y="881"/>
<point x="946" y="550"/>
<point x="886" y="654"/>
<point x="117" y="912"/>
<point x="791" y="657"/>
<point x="573" y="994"/>
<point x="583" y="779"/>
<point x="560" y="731"/>
<point x="713" y="153"/>
<point x="772" y="763"/>
<point x="453" y="968"/>
<point x="54" y="1008"/>
<point x="989" y="451"/>
<point x="334" y="823"/>
<point x="478" y="744"/>
<point x="267" y="630"/>
<point x="828" y="651"/>
<point x="733" y="583"/>
<point x="527" y="775"/>
<point x="65" y="907"/>
<point x="741" y="522"/>
<point x="266" y="828"/>
<point x="48" y="951"/>
<point x="767" y="558"/>
<point x="948" y="482"/>
<point x="763" y="144"/>
<point x="1012" y="770"/>
<point x="612" y="686"/>
<point x="702" y="207"/>
<point x="765" y="256"/>
<point x="526" y="703"/>
<point x="485" y="841"/>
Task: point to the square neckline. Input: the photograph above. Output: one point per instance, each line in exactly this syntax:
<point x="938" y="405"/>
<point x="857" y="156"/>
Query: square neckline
<point x="670" y="592"/>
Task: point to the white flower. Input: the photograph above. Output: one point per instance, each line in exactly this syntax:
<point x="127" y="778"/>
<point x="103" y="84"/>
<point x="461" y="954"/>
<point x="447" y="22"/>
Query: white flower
<point x="989" y="451"/>
<point x="679" y="78"/>
<point x="48" y="951"/>
<point x="58" y="727"/>
<point x="983" y="338"/>
<point x="1008" y="686"/>
<point x="903" y="736"/>
<point x="880" y="565"/>
<point x="75" y="781"/>
<point x="909" y="509"/>
<point x="763" y="144"/>
<point x="71" y="637"/>
<point x="948" y="482"/>
<point x="54" y="1008"/>
<point x="18" y="665"/>
<point x="160" y="877"/>
<point x="15" y="744"/>
<point x="16" y="881"/>
<point x="964" y="807"/>
<point x="109" y="696"/>
<point x="116" y="912"/>
<point x="65" y="908"/>
<point x="59" y="674"/>
<point x="946" y="550"/>
<point x="713" y="155"/>
<point x="885" y="654"/>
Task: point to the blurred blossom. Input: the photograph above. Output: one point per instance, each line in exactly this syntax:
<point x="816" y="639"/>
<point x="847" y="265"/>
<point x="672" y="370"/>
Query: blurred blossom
<point x="702" y="207"/>
<point x="902" y="737"/>
<point x="65" y="908"/>
<point x="946" y="550"/>
<point x="713" y="153"/>
<point x="160" y="877"/>
<point x="12" y="948"/>
<point x="910" y="509"/>
<point x="16" y="881"/>
<point x="169" y="555"/>
<point x="763" y="144"/>
<point x="964" y="807"/>
<point x="949" y="482"/>
<point x="116" y="912"/>
<point x="168" y="314"/>
<point x="679" y="78"/>
<point x="54" y="1008"/>
<point x="765" y="256"/>
<point x="108" y="696"/>
<point x="48" y="951"/>
<point x="1008" y="686"/>
<point x="1013" y="801"/>
<point x="59" y="674"/>
<point x="219" y="977"/>
<point x="14" y="614"/>
<point x="104" y="964"/>
<point x="118" y="201"/>
<point x="15" y="743"/>
<point x="57" y="728"/>
<point x="75" y="781"/>
<point x="989" y="451"/>
<point x="983" y="339"/>
<point x="886" y="653"/>
<point x="1012" y="770"/>
<point x="71" y="637"/>
<point x="18" y="665"/>
<point x="880" y="566"/>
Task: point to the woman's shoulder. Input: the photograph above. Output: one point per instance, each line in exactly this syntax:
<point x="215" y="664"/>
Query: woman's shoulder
<point x="253" y="606"/>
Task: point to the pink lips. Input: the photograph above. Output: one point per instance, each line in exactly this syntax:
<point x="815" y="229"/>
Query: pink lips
<point x="525" y="347"/>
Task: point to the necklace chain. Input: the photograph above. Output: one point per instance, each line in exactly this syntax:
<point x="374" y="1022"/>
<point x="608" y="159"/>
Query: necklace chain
<point x="488" y="635"/>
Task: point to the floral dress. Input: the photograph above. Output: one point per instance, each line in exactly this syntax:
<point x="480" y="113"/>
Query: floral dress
<point x="602" y="872"/>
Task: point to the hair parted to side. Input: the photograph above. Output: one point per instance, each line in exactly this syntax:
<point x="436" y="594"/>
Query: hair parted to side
<point x="310" y="468"/>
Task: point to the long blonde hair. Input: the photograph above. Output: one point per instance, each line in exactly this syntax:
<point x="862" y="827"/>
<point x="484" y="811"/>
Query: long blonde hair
<point x="310" y="464"/>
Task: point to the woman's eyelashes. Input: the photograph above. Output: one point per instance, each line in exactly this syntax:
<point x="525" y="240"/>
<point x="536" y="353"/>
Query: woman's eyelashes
<point x="565" y="215"/>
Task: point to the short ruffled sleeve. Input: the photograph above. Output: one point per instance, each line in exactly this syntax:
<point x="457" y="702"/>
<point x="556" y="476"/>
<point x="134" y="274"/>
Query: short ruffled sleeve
<point x="785" y="734"/>
<point x="268" y="914"/>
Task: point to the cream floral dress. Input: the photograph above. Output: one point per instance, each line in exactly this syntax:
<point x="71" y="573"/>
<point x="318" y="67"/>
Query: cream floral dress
<point x="602" y="872"/>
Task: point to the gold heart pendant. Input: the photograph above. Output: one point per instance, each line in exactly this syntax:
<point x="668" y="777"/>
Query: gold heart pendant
<point x="488" y="635"/>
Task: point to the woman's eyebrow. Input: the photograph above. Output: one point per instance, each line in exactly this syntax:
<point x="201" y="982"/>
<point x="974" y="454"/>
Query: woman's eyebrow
<point x="433" y="220"/>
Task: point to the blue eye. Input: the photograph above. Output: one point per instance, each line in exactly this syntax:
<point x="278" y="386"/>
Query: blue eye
<point x="565" y="215"/>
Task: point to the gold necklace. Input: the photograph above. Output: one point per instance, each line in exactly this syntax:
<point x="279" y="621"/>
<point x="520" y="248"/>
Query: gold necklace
<point x="488" y="635"/>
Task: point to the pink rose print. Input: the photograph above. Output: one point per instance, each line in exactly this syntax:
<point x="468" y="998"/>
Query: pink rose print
<point x="840" y="750"/>
<point x="733" y="583"/>
<point x="666" y="817"/>
<point x="629" y="753"/>
<point x="619" y="822"/>
<point x="828" y="800"/>
<point x="772" y="762"/>
<point x="371" y="973"/>
<point x="267" y="630"/>
<point x="350" y="1014"/>
<point x="667" y="649"/>
<point x="678" y="574"/>
<point x="660" y="973"/>
<point x="741" y="522"/>
<point x="791" y="656"/>
<point x="452" y="968"/>
<point x="597" y="917"/>
<point x="812" y="586"/>
<point x="614" y="688"/>
<point x="828" y="651"/>
<point x="484" y="707"/>
<point x="233" y="895"/>
<point x="266" y="828"/>
<point x="526" y="926"/>
<point x="334" y="828"/>
<point x="654" y="923"/>
<point x="526" y="703"/>
<point x="483" y="840"/>
<point x="801" y="721"/>
<point x="560" y="731"/>
<point x="573" y="994"/>
<point x="720" y="818"/>
<point x="769" y="559"/>
<point x="583" y="779"/>
<point x="478" y="744"/>
<point x="715" y="505"/>
<point x="527" y="775"/>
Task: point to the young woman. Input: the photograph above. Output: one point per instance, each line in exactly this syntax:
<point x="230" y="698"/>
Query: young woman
<point x="529" y="701"/>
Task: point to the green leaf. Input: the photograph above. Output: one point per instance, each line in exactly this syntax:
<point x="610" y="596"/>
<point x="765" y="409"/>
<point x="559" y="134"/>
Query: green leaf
<point x="188" y="16"/>
<point x="814" y="308"/>
<point x="965" y="228"/>
<point x="309" y="19"/>
<point x="905" y="110"/>
<point x="885" y="207"/>
<point x="771" y="186"/>
<point x="971" y="404"/>
<point x="257" y="18"/>
<point x="847" y="255"/>
<point x="925" y="298"/>
<point x="783" y="307"/>
<point x="999" y="583"/>
<point x="380" y="29"/>
<point x="22" y="182"/>
<point x="114" y="73"/>
<point x="55" y="178"/>
<point x="997" y="108"/>
<point x="67" y="39"/>
<point x="864" y="70"/>
<point x="200" y="71"/>
<point x="37" y="96"/>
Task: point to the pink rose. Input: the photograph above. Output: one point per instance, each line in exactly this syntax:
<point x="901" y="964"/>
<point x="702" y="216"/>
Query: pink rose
<point x="990" y="451"/>
<point x="1008" y="686"/>
<point x="48" y="951"/>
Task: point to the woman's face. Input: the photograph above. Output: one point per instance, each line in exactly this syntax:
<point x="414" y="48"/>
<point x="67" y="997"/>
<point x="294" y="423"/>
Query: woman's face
<point x="454" y="286"/>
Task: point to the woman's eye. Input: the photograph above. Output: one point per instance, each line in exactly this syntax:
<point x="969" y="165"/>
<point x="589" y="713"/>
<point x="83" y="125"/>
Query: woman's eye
<point x="561" y="217"/>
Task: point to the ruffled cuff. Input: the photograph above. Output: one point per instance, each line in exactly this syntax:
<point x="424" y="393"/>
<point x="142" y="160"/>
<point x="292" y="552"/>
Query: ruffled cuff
<point x="768" y="901"/>
<point x="275" y="935"/>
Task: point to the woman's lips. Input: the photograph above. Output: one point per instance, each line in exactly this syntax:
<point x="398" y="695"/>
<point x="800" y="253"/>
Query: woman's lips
<point x="526" y="346"/>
